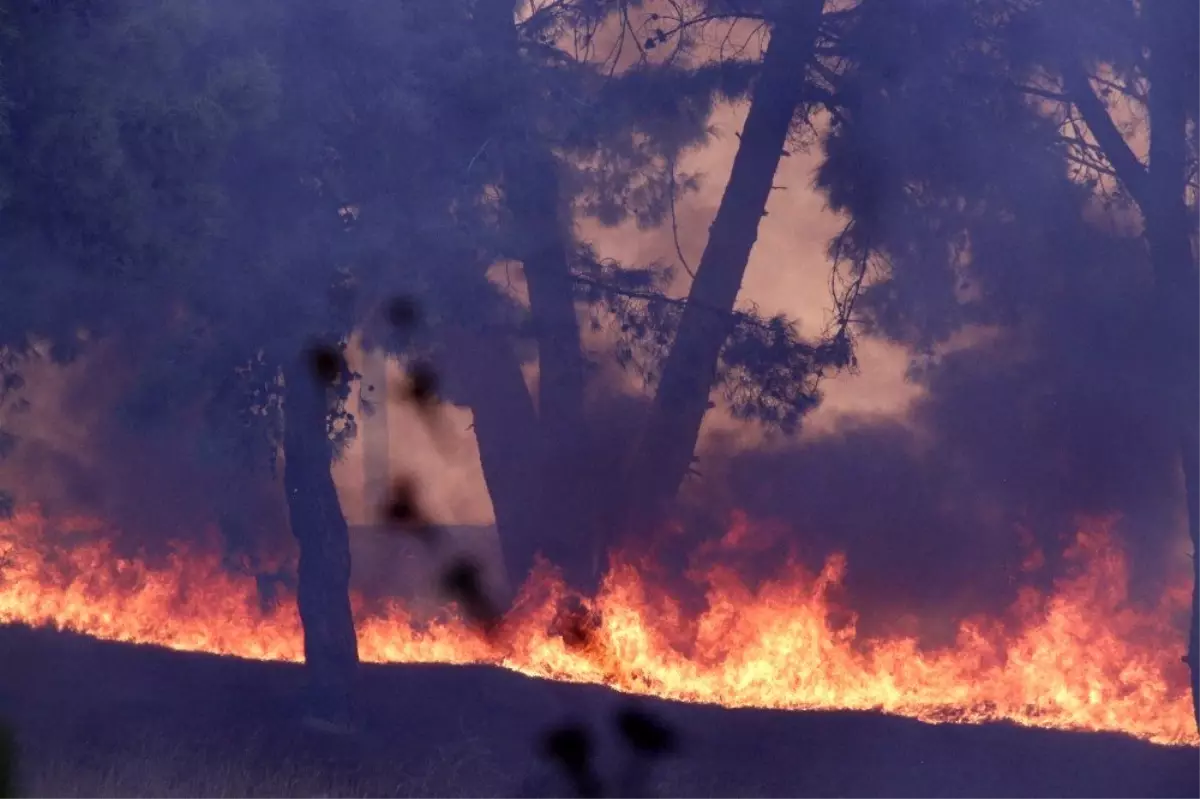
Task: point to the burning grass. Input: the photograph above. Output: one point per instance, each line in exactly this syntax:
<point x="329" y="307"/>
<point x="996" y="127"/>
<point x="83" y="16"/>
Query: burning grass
<point x="102" y="719"/>
<point x="149" y="766"/>
<point x="1083" y="657"/>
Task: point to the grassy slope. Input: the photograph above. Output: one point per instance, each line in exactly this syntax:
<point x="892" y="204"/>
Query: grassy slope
<point x="98" y="719"/>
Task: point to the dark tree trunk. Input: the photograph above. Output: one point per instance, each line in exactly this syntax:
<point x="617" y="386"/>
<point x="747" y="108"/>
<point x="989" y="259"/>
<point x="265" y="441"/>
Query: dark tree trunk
<point x="330" y="646"/>
<point x="1159" y="194"/>
<point x="506" y="430"/>
<point x="669" y="438"/>
<point x="1176" y="280"/>
<point x="532" y="195"/>
<point x="565" y="518"/>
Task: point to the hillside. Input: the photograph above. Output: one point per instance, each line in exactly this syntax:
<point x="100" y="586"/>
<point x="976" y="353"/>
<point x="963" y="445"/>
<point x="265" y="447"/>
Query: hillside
<point x="102" y="719"/>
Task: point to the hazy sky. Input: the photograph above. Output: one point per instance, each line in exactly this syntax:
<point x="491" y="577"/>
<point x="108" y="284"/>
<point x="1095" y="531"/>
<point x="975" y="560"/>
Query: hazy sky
<point x="788" y="273"/>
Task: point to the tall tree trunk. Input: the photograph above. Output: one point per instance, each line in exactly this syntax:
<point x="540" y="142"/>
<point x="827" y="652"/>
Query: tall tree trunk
<point x="1159" y="194"/>
<point x="330" y="646"/>
<point x="569" y="530"/>
<point x="532" y="196"/>
<point x="669" y="439"/>
<point x="506" y="430"/>
<point x="1177" y="282"/>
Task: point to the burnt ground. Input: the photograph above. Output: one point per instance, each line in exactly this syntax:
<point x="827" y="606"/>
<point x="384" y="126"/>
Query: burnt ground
<point x="101" y="719"/>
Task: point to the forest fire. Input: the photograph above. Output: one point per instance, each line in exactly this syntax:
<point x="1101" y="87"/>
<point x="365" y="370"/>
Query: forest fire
<point x="1081" y="657"/>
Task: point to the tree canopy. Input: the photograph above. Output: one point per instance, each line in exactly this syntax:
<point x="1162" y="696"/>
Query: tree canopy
<point x="223" y="189"/>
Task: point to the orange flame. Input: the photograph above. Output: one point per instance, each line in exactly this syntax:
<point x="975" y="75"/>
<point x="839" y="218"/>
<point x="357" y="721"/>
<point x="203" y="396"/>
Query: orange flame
<point x="1081" y="658"/>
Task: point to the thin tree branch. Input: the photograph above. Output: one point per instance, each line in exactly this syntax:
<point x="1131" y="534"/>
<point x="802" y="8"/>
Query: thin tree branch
<point x="675" y="223"/>
<point x="1129" y="170"/>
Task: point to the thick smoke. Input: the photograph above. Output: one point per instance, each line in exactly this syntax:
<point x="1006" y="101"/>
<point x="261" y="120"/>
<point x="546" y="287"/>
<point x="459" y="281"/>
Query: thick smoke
<point x="938" y="514"/>
<point x="1034" y="341"/>
<point x="1041" y="420"/>
<point x="81" y="452"/>
<point x="1026" y="428"/>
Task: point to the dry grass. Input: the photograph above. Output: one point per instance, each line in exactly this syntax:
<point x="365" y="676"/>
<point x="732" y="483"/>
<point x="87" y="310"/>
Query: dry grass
<point x="155" y="775"/>
<point x="95" y="719"/>
<point x="150" y="765"/>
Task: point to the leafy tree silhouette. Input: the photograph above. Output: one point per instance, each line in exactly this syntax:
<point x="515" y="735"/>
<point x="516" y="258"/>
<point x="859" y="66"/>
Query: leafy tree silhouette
<point x="581" y="133"/>
<point x="1004" y="117"/>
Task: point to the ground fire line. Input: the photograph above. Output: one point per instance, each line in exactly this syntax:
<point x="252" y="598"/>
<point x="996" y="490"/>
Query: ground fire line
<point x="1082" y="657"/>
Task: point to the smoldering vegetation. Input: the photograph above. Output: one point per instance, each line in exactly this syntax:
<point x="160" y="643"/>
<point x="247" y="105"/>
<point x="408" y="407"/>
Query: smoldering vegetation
<point x="206" y="204"/>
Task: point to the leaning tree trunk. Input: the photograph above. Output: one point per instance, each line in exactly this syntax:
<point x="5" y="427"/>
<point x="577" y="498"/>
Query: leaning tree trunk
<point x="330" y="647"/>
<point x="668" y="441"/>
<point x="1177" y="283"/>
